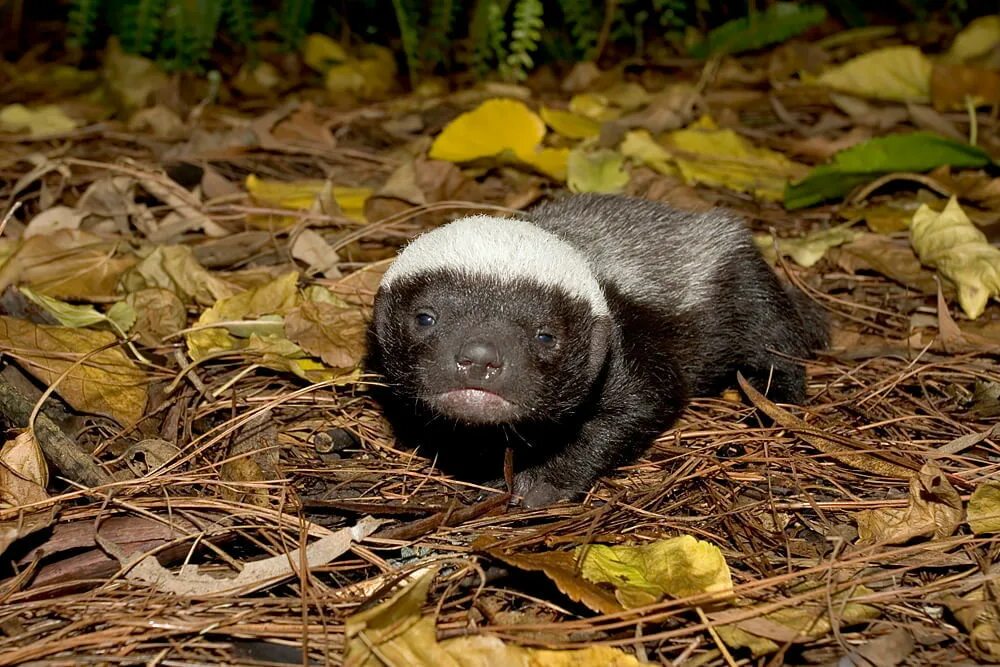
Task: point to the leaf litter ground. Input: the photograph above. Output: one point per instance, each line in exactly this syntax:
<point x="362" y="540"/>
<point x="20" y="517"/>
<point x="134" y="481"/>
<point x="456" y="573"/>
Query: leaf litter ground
<point x="842" y="521"/>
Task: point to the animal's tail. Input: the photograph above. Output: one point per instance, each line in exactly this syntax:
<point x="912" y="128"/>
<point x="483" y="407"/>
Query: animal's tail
<point x="815" y="323"/>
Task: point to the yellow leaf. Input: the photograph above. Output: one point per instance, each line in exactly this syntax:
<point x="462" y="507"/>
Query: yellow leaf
<point x="253" y="312"/>
<point x="935" y="508"/>
<point x="708" y="155"/>
<point x="569" y="124"/>
<point x="550" y="161"/>
<point x="809" y="249"/>
<point x="175" y="268"/>
<point x="597" y="171"/>
<point x="301" y="195"/>
<point x="949" y="242"/>
<point x="67" y="314"/>
<point x="368" y="77"/>
<point x="131" y="79"/>
<point x="640" y="146"/>
<point x="321" y="51"/>
<point x="977" y="613"/>
<point x="977" y="39"/>
<point x="394" y="633"/>
<point x="984" y="508"/>
<point x="593" y="106"/>
<point x="491" y="128"/>
<point x="679" y="567"/>
<point x="897" y="73"/>
<point x="38" y="122"/>
<point x="107" y="383"/>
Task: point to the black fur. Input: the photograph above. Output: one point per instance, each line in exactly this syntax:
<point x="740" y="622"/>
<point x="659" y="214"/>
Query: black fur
<point x="611" y="387"/>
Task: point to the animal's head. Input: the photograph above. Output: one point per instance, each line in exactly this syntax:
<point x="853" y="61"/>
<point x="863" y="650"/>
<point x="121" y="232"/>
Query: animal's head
<point x="490" y="321"/>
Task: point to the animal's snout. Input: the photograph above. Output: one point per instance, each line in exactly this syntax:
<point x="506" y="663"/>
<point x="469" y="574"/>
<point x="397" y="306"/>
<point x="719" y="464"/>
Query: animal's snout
<point x="480" y="358"/>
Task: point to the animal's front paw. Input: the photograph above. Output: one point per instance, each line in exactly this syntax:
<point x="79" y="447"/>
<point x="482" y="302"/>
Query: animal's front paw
<point x="536" y="491"/>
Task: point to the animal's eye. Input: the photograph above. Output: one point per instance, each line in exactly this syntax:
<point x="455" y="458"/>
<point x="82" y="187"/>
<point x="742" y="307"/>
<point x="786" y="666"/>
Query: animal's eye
<point x="426" y="319"/>
<point x="544" y="337"/>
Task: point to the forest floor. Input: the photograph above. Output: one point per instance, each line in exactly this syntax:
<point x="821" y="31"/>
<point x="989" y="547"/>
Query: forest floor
<point x="234" y="238"/>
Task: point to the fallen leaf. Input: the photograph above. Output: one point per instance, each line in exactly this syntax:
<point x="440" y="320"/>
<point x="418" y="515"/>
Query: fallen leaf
<point x="53" y="220"/>
<point x="977" y="612"/>
<point x="255" y="575"/>
<point x="159" y="313"/>
<point x="949" y="242"/>
<point x="493" y="127"/>
<point x="334" y="333"/>
<point x="23" y="478"/>
<point x="777" y="23"/>
<point x="67" y="264"/>
<point x="896" y="73"/>
<point x="889" y="257"/>
<point x="394" y="632"/>
<point x="67" y="314"/>
<point x="132" y="80"/>
<point x="709" y="155"/>
<point x="596" y="171"/>
<point x="679" y="567"/>
<point x="957" y="86"/>
<point x="37" y="122"/>
<point x="569" y="124"/>
<point x="935" y="509"/>
<point x="915" y="151"/>
<point x="320" y="52"/>
<point x="370" y="76"/>
<point x="984" y="508"/>
<point x="175" y="268"/>
<point x="562" y="568"/>
<point x="310" y="247"/>
<point x="796" y="624"/>
<point x="977" y="39"/>
<point x="108" y="383"/>
<point x="302" y="195"/>
<point x="640" y="146"/>
<point x="809" y="249"/>
<point x="160" y="121"/>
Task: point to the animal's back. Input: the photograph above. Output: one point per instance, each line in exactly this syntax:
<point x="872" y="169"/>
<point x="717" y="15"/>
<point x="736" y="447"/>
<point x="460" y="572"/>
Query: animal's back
<point x="651" y="252"/>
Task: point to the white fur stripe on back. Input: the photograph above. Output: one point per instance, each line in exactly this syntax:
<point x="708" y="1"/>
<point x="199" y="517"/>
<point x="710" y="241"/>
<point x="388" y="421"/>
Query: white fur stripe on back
<point x="504" y="248"/>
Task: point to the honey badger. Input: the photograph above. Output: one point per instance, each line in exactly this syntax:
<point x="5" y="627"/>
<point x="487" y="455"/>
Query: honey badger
<point x="575" y="336"/>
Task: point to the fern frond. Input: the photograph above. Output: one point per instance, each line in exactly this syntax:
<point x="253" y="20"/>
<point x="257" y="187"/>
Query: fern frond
<point x="239" y="21"/>
<point x="525" y="35"/>
<point x="293" y="19"/>
<point x="145" y="22"/>
<point x="82" y="20"/>
<point x="439" y="26"/>
<point x="584" y="24"/>
<point x="408" y="18"/>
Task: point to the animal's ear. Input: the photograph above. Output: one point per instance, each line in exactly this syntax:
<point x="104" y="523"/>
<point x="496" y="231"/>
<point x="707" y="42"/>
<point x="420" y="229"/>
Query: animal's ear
<point x="600" y="341"/>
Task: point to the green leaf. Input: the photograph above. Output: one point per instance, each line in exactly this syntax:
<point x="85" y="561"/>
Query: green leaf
<point x="917" y="151"/>
<point x="781" y="21"/>
<point x="67" y="314"/>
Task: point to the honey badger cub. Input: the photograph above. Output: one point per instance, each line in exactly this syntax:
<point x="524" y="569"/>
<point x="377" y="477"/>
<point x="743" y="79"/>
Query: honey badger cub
<point x="576" y="336"/>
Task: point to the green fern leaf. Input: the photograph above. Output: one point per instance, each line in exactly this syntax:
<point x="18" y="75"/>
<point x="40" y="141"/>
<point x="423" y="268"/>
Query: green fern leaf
<point x="525" y="35"/>
<point x="83" y="20"/>
<point x="239" y="21"/>
<point x="293" y="20"/>
<point x="408" y="19"/>
<point x="583" y="22"/>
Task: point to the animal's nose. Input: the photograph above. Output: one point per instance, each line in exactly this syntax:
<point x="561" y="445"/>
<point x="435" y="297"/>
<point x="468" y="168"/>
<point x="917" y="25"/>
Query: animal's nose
<point x="482" y="355"/>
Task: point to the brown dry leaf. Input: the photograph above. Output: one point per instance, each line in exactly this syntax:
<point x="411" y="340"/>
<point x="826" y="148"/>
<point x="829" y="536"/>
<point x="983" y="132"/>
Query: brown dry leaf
<point x="254" y="576"/>
<point x="68" y="264"/>
<point x="175" y="268"/>
<point x="107" y="383"/>
<point x="935" y="509"/>
<point x="53" y="220"/>
<point x="334" y="333"/>
<point x="562" y="568"/>
<point x="159" y="121"/>
<point x="977" y="612"/>
<point x="132" y="80"/>
<point x="310" y="247"/>
<point x="764" y="634"/>
<point x="252" y="457"/>
<point x="956" y="86"/>
<point x="159" y="313"/>
<point x="359" y="288"/>
<point x="893" y="259"/>
<point x="23" y="478"/>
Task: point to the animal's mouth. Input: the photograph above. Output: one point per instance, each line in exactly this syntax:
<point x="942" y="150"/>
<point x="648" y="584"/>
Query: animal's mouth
<point x="474" y="405"/>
